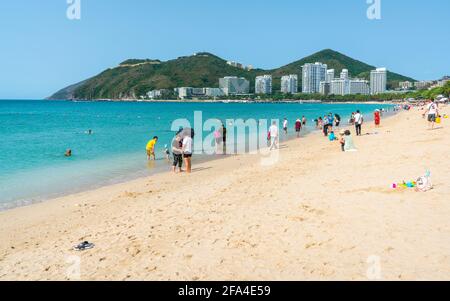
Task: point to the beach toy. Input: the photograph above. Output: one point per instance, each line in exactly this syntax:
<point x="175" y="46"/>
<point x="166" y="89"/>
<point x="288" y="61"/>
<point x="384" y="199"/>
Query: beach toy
<point x="438" y="120"/>
<point x="411" y="184"/>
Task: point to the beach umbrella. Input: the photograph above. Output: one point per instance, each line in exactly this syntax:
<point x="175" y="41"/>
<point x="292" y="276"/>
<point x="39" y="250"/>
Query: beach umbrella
<point x="186" y="132"/>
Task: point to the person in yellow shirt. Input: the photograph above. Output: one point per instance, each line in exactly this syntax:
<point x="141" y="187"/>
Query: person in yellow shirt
<point x="151" y="148"/>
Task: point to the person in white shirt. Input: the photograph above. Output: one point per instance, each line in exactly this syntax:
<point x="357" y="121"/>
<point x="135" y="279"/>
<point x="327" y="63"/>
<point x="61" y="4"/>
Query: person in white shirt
<point x="187" y="153"/>
<point x="433" y="112"/>
<point x="273" y="130"/>
<point x="285" y="126"/>
<point x="359" y="119"/>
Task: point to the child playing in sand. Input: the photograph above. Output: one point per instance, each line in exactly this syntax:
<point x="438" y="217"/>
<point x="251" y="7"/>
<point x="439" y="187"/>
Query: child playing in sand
<point x="151" y="148"/>
<point x="167" y="153"/>
<point x="332" y="136"/>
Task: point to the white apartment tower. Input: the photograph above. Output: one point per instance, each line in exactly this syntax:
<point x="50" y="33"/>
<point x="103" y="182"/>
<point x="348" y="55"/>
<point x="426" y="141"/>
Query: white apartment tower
<point x="378" y="81"/>
<point x="289" y="84"/>
<point x="312" y="75"/>
<point x="232" y="85"/>
<point x="263" y="84"/>
<point x="329" y="76"/>
<point x="344" y="74"/>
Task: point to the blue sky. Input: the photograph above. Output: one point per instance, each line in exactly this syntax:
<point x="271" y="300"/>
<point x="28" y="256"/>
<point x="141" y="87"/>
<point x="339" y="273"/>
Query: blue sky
<point x="43" y="51"/>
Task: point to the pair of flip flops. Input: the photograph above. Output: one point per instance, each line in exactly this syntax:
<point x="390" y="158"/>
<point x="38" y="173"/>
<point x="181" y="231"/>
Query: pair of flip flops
<point x="84" y="246"/>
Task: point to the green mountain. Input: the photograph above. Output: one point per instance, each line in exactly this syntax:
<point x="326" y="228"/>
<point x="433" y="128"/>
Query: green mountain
<point x="135" y="77"/>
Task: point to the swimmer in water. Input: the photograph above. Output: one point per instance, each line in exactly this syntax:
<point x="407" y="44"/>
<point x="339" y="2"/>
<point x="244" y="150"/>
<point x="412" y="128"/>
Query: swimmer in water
<point x="68" y="153"/>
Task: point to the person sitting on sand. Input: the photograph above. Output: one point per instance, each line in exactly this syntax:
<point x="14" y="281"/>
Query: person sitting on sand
<point x="298" y="127"/>
<point x="151" y="148"/>
<point x="332" y="136"/>
<point x="349" y="145"/>
<point x="68" y="153"/>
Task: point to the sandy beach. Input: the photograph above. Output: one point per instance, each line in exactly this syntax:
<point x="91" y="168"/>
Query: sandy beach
<point x="316" y="214"/>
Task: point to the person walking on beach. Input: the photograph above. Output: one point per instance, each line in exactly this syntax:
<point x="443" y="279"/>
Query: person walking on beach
<point x="273" y="132"/>
<point x="359" y="119"/>
<point x="187" y="152"/>
<point x="433" y="112"/>
<point x="304" y="120"/>
<point x="298" y="127"/>
<point x="285" y="126"/>
<point x="377" y="118"/>
<point x="151" y="148"/>
<point x="177" y="152"/>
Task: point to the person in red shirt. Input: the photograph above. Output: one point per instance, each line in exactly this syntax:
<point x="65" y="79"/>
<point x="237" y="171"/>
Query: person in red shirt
<point x="377" y="118"/>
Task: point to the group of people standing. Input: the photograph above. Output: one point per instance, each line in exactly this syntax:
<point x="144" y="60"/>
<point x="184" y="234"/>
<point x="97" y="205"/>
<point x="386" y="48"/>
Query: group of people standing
<point x="181" y="150"/>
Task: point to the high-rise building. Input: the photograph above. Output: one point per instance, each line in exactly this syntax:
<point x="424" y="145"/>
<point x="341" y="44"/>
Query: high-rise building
<point x="329" y="76"/>
<point x="344" y="74"/>
<point x="312" y="75"/>
<point x="340" y="86"/>
<point x="263" y="84"/>
<point x="232" y="85"/>
<point x="378" y="81"/>
<point x="289" y="84"/>
<point x="359" y="86"/>
<point x="325" y="88"/>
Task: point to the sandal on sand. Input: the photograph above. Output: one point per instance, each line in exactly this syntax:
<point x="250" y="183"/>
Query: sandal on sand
<point x="84" y="246"/>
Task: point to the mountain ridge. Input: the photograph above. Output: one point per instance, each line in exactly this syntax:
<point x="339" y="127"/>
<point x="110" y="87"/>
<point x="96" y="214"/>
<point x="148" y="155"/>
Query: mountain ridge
<point x="134" y="77"/>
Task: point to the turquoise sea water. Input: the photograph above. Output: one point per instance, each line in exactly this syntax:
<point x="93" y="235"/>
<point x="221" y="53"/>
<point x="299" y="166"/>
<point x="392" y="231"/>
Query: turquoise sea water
<point x="35" y="134"/>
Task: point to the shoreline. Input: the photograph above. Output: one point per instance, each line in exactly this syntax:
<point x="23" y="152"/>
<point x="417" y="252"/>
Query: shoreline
<point x="159" y="168"/>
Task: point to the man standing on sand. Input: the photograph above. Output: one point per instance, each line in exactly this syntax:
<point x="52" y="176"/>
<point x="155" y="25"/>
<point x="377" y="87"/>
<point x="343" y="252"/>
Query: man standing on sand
<point x="433" y="112"/>
<point x="359" y="119"/>
<point x="273" y="131"/>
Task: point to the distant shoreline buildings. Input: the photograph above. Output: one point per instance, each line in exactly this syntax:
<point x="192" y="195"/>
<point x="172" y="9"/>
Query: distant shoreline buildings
<point x="316" y="79"/>
<point x="263" y="84"/>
